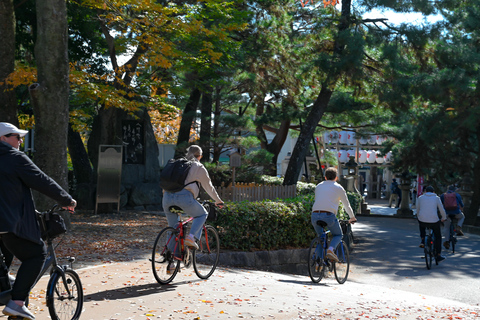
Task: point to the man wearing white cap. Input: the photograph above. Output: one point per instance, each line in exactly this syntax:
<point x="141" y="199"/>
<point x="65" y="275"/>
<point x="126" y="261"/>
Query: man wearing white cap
<point x="19" y="230"/>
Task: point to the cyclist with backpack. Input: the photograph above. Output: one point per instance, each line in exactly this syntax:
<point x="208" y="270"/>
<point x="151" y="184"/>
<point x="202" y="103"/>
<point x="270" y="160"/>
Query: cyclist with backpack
<point x="453" y="204"/>
<point x="194" y="174"/>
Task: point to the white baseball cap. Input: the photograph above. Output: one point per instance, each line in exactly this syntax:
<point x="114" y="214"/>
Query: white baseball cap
<point x="6" y="128"/>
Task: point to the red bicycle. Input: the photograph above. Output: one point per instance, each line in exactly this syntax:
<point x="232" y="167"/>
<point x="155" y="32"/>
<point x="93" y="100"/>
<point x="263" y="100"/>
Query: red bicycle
<point x="169" y="250"/>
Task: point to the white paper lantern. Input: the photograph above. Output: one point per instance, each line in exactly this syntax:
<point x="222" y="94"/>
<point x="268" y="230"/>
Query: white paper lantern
<point x="371" y="156"/>
<point x="379" y="158"/>
<point x="351" y="138"/>
<point x="342" y="137"/>
<point x="372" y="139"/>
<point x="363" y="140"/>
<point x="342" y="156"/>
<point x="326" y="137"/>
<point x="362" y="156"/>
<point x="333" y="136"/>
<point x="389" y="157"/>
<point x="380" y="139"/>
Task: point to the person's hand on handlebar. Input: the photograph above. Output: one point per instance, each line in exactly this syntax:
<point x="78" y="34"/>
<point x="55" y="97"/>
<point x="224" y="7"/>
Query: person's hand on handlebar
<point x="72" y="206"/>
<point x="352" y="220"/>
<point x="219" y="204"/>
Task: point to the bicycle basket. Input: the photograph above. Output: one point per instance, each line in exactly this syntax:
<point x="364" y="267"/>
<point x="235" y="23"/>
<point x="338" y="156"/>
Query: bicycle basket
<point x="212" y="211"/>
<point x="51" y="225"/>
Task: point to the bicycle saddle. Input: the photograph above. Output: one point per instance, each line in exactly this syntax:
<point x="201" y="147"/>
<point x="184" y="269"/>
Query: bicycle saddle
<point x="175" y="208"/>
<point x="321" y="223"/>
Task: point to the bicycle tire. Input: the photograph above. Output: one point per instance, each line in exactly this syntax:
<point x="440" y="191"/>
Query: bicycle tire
<point x="428" y="252"/>
<point x="453" y="239"/>
<point x="162" y="256"/>
<point x="205" y="258"/>
<point x="342" y="267"/>
<point x="64" y="295"/>
<point x="315" y="260"/>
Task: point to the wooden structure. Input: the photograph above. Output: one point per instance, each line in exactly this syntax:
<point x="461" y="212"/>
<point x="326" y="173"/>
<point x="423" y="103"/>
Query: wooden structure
<point x="254" y="192"/>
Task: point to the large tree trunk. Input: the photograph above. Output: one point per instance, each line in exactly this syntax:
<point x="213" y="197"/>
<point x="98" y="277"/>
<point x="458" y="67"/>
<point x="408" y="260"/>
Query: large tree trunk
<point x="189" y="114"/>
<point x="82" y="170"/>
<point x="206" y="123"/>
<point x="50" y="94"/>
<point x="472" y="211"/>
<point x="8" y="111"/>
<point x="303" y="141"/>
<point x="320" y="105"/>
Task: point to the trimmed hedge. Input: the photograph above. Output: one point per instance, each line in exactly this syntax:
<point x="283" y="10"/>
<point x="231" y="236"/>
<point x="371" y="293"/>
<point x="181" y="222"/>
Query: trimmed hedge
<point x="265" y="225"/>
<point x="269" y="224"/>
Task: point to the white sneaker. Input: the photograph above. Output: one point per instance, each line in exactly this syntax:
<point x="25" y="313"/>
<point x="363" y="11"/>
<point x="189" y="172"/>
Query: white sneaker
<point x="189" y="241"/>
<point x="13" y="309"/>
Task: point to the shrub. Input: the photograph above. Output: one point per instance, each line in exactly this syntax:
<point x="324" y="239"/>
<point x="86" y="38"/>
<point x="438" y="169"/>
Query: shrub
<point x="271" y="224"/>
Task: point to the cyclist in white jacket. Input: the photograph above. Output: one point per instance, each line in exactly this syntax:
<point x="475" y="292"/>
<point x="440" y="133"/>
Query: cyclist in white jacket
<point x="428" y="206"/>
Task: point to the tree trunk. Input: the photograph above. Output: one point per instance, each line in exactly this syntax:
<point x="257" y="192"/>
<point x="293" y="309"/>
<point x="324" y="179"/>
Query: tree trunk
<point x="82" y="171"/>
<point x="321" y="103"/>
<point x="472" y="211"/>
<point x="217" y="145"/>
<point x="303" y="141"/>
<point x="206" y="123"/>
<point x="188" y="117"/>
<point x="8" y="111"/>
<point x="50" y="94"/>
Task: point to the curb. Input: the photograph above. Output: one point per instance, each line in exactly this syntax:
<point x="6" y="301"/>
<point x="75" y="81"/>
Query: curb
<point x="293" y="261"/>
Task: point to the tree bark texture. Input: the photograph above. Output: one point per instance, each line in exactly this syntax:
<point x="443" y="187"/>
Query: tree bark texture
<point x="472" y="211"/>
<point x="8" y="111"/>
<point x="320" y="105"/>
<point x="206" y="123"/>
<point x="50" y="94"/>
<point x="189" y="114"/>
<point x="301" y="147"/>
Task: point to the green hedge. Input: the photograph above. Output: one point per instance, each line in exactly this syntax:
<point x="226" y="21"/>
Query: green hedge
<point x="268" y="224"/>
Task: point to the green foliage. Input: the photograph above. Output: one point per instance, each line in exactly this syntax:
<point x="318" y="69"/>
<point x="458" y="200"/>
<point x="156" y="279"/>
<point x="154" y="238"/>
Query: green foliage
<point x="265" y="225"/>
<point x="270" y="224"/>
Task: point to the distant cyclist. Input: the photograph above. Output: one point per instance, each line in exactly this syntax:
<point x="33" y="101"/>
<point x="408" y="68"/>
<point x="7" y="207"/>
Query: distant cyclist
<point x="328" y="195"/>
<point x="427" y="206"/>
<point x="454" y="210"/>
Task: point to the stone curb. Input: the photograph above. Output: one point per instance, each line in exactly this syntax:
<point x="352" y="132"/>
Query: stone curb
<point x="293" y="261"/>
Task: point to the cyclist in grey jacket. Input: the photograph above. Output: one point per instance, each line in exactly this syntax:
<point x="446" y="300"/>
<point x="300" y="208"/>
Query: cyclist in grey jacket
<point x="19" y="229"/>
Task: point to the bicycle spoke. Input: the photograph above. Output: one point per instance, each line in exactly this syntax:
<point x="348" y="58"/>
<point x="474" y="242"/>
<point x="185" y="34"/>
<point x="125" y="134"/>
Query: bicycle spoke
<point x="342" y="267"/>
<point x="164" y="266"/>
<point x="206" y="257"/>
<point x="65" y="296"/>
<point x="315" y="260"/>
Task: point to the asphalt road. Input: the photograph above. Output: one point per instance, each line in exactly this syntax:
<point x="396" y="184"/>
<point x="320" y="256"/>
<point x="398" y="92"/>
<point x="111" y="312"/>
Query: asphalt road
<point x="388" y="280"/>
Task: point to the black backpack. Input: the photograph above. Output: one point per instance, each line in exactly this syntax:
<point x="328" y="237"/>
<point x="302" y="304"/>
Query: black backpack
<point x="173" y="175"/>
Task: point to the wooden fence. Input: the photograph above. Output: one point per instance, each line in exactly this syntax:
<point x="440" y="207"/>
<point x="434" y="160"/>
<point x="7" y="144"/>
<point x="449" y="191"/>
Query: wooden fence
<point x="253" y="192"/>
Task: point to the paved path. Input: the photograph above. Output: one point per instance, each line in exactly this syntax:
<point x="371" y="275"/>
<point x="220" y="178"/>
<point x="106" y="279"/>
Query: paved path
<point x="388" y="280"/>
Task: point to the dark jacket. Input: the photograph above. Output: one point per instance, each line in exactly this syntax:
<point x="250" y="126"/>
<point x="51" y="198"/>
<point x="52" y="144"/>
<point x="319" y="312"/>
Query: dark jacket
<point x="18" y="175"/>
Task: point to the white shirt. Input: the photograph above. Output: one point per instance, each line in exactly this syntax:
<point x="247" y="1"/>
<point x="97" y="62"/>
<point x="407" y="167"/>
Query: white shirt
<point x="427" y="205"/>
<point x="328" y="195"/>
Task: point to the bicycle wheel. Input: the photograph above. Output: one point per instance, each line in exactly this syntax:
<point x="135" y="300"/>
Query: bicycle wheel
<point x="428" y="252"/>
<point x="205" y="258"/>
<point x="453" y="239"/>
<point x="315" y="260"/>
<point x="65" y="295"/>
<point x="162" y="256"/>
<point x="342" y="267"/>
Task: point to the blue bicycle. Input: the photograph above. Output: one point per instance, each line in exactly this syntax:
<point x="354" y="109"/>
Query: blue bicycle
<point x="319" y="264"/>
